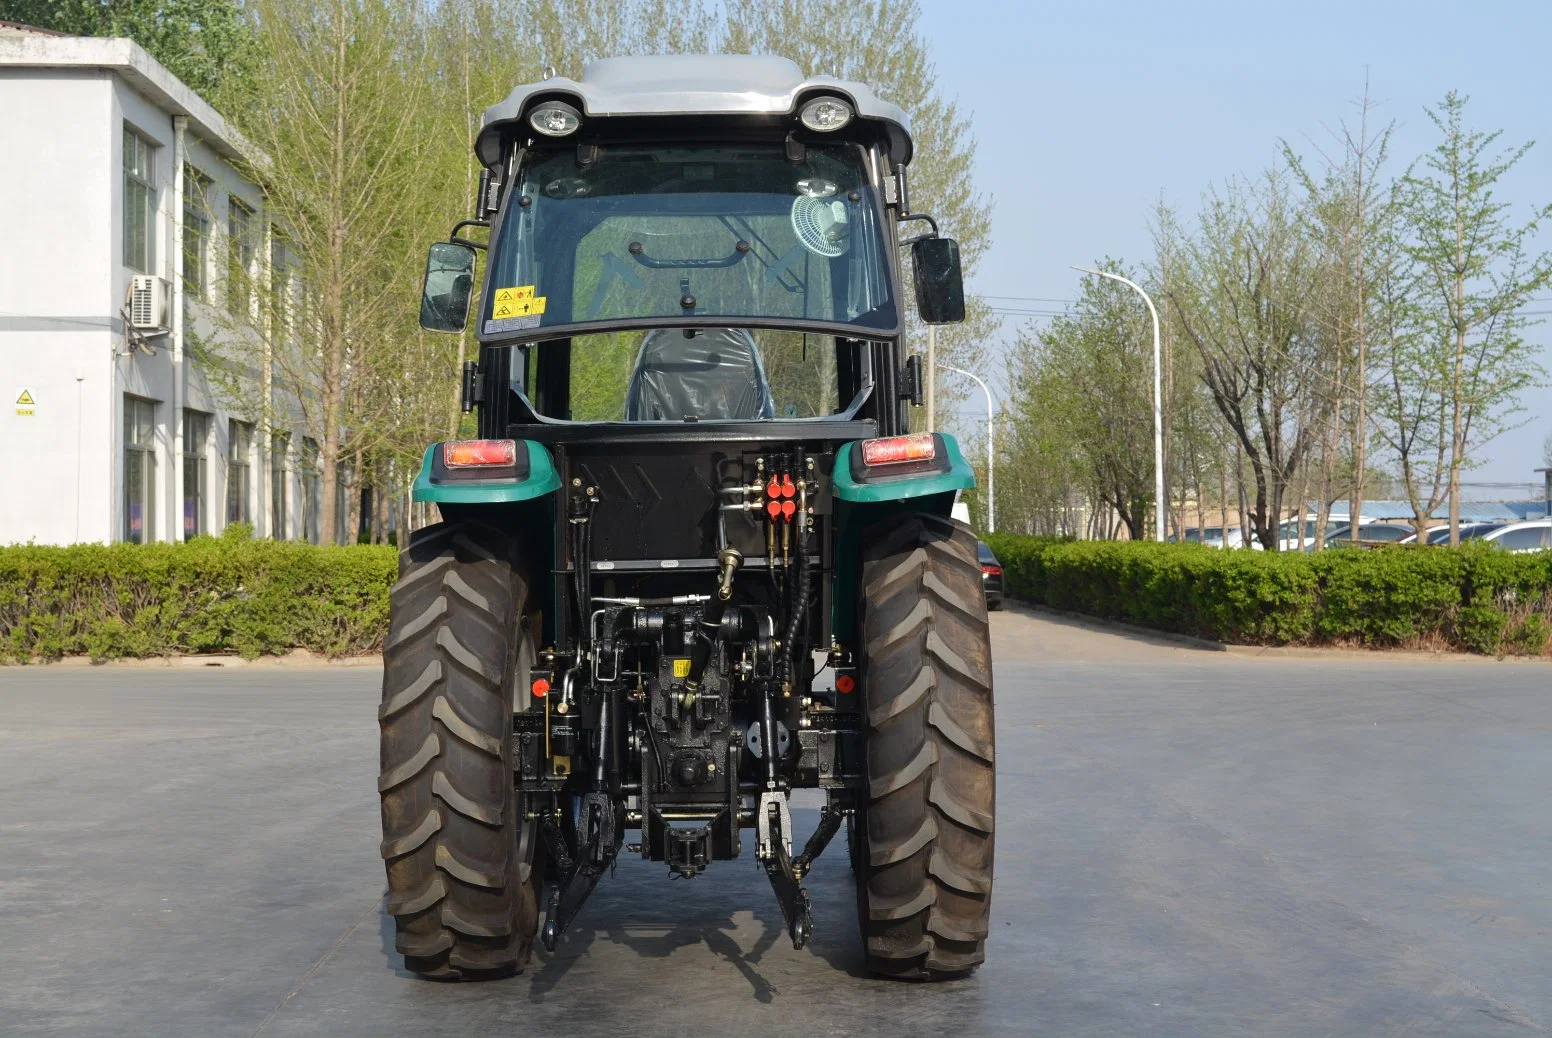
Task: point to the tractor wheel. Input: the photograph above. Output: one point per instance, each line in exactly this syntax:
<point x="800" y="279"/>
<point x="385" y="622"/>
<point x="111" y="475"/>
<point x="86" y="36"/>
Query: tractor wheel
<point x="463" y="872"/>
<point x="924" y="837"/>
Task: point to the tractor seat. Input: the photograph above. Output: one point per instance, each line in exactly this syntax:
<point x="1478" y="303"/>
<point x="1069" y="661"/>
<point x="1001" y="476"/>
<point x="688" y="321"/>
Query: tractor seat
<point x="714" y="375"/>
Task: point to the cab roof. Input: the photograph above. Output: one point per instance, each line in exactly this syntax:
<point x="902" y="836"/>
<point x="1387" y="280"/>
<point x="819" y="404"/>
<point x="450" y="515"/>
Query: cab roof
<point x="691" y="84"/>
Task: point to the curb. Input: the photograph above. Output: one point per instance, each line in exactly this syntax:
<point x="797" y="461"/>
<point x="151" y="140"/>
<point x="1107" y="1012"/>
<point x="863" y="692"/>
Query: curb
<point x="297" y="658"/>
<point x="1301" y="652"/>
<point x="1097" y="623"/>
<point x="1342" y="652"/>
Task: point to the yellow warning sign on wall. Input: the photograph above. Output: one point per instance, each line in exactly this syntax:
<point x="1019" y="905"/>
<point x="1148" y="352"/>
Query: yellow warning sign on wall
<point x="26" y="402"/>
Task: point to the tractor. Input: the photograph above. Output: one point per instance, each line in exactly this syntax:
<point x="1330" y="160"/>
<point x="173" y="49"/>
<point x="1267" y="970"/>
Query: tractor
<point x="695" y="559"/>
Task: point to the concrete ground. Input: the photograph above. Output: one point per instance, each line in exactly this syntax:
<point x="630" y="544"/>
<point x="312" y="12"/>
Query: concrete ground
<point x="1190" y="843"/>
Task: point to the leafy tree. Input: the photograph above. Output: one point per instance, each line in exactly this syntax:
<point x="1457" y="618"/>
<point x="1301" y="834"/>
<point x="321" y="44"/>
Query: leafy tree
<point x="340" y="138"/>
<point x="1474" y="275"/>
<point x="1082" y="396"/>
<point x="1411" y="396"/>
<point x="208" y="44"/>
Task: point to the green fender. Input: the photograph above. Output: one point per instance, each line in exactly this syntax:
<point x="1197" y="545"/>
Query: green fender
<point x="860" y="505"/>
<point x="958" y="477"/>
<point x="542" y="479"/>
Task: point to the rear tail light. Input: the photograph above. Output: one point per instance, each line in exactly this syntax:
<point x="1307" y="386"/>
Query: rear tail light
<point x="468" y="454"/>
<point x="992" y="571"/>
<point x="894" y="450"/>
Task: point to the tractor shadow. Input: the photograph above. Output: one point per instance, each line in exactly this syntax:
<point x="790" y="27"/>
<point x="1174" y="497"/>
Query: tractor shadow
<point x="720" y="911"/>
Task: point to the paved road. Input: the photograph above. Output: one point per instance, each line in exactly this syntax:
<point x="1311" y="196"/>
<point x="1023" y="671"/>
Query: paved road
<point x="1190" y="843"/>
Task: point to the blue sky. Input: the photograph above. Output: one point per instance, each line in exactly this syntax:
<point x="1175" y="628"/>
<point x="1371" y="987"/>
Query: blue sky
<point x="1087" y="113"/>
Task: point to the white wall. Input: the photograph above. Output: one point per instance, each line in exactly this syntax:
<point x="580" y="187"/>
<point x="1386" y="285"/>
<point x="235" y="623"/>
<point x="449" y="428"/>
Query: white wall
<point x="57" y="275"/>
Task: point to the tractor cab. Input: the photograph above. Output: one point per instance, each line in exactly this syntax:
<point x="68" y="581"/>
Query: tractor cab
<point x="694" y="557"/>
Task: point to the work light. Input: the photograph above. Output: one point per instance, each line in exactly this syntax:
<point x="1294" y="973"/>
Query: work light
<point x="824" y="114"/>
<point x="555" y="119"/>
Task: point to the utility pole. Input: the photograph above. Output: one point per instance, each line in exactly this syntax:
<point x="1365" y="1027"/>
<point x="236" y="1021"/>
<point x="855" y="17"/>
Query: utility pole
<point x="1159" y="504"/>
<point x="991" y="430"/>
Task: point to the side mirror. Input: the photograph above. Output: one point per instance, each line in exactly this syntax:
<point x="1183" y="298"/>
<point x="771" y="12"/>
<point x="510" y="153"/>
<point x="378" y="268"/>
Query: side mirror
<point x="940" y="287"/>
<point x="444" y="295"/>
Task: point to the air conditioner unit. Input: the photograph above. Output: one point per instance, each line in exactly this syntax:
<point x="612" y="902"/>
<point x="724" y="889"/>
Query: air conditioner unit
<point x="150" y="302"/>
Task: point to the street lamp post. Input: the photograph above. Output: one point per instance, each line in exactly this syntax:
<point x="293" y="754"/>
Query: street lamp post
<point x="991" y="429"/>
<point x="1158" y="406"/>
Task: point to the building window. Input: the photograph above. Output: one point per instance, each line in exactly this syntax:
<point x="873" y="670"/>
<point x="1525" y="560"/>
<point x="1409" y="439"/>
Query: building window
<point x="239" y="473"/>
<point x="239" y="257"/>
<point x="196" y="235"/>
<point x="139" y="470"/>
<point x="196" y="471"/>
<point x="139" y="203"/>
<point x="312" y="490"/>
<point x="278" y="443"/>
<point x="285" y="295"/>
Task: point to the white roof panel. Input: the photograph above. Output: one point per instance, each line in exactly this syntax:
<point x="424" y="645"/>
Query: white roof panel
<point x="693" y="84"/>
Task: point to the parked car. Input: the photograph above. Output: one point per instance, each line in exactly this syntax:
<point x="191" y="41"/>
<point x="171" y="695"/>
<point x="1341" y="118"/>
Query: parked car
<point x="1223" y="537"/>
<point x="1288" y="532"/>
<point x="1532" y="535"/>
<point x="991" y="577"/>
<point x="1368" y="533"/>
<point x="1441" y="534"/>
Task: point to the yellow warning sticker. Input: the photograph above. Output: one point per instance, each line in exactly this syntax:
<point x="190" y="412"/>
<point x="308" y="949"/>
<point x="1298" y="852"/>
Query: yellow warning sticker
<point x="513" y="295"/>
<point x="26" y="403"/>
<point x="524" y="307"/>
<point x="681" y="668"/>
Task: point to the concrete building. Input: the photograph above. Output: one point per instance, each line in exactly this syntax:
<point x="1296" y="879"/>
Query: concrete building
<point x="125" y="224"/>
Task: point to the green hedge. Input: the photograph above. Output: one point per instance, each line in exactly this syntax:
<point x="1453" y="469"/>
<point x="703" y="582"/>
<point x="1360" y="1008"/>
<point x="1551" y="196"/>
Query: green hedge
<point x="1474" y="598"/>
<point x="254" y="598"/>
<point x="210" y="595"/>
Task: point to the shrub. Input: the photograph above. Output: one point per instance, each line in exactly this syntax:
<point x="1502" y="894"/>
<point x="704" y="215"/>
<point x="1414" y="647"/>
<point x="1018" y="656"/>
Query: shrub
<point x="1474" y="598"/>
<point x="209" y="595"/>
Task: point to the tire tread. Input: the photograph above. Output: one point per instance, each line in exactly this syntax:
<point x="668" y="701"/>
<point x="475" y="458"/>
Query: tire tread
<point x="926" y="838"/>
<point x="461" y="906"/>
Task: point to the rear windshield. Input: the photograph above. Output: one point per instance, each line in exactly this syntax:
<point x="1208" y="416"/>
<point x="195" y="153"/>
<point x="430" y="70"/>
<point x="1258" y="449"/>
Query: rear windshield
<point x="735" y="231"/>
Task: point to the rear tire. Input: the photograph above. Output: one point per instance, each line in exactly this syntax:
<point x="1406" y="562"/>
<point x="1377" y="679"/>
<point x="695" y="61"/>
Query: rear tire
<point x="925" y="835"/>
<point x="463" y="872"/>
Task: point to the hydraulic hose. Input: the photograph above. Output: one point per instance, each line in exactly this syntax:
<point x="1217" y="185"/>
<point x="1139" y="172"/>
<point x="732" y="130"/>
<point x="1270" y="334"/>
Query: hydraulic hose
<point x="797" y="621"/>
<point x="710" y="626"/>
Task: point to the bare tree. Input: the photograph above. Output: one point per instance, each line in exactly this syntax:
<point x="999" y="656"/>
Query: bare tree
<point x="1252" y="271"/>
<point x="1343" y="203"/>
